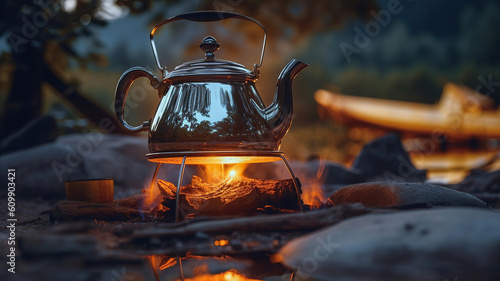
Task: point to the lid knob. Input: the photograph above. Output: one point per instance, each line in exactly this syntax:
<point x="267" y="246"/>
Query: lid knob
<point x="209" y="45"/>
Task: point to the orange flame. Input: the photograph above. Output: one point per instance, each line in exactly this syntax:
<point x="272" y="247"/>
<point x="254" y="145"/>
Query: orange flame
<point x="217" y="173"/>
<point x="312" y="193"/>
<point x="211" y="173"/>
<point x="152" y="198"/>
<point x="153" y="262"/>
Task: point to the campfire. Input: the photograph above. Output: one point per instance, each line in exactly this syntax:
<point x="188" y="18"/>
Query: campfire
<point x="227" y="191"/>
<point x="221" y="191"/>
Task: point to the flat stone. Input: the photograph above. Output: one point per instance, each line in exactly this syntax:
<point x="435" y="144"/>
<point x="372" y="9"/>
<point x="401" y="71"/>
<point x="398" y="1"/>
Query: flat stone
<point x="41" y="171"/>
<point x="424" y="245"/>
<point x="383" y="194"/>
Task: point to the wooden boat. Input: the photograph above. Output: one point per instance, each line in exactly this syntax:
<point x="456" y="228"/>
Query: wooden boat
<point x="461" y="113"/>
<point x="453" y="167"/>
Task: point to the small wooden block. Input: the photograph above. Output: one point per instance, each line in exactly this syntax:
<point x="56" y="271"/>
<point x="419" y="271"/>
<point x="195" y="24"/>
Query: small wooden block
<point x="99" y="190"/>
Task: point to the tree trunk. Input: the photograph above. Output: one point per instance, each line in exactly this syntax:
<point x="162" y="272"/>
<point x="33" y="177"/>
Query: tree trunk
<point x="24" y="102"/>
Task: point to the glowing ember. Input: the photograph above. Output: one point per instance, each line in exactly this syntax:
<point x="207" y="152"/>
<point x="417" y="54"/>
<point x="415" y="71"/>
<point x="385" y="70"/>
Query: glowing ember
<point x="166" y="263"/>
<point x="221" y="242"/>
<point x="225" y="276"/>
<point x="232" y="173"/>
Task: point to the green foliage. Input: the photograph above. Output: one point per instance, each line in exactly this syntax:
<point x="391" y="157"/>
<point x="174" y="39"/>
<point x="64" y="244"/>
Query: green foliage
<point x="417" y="84"/>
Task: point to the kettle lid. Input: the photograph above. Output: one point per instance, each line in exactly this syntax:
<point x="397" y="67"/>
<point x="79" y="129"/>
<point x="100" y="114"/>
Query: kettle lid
<point x="209" y="68"/>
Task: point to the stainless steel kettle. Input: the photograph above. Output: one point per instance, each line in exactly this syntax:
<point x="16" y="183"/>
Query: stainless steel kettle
<point x="211" y="104"/>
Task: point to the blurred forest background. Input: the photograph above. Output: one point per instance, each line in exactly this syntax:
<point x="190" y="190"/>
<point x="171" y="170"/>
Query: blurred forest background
<point x="64" y="58"/>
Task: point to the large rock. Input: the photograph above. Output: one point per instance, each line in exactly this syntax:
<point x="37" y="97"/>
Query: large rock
<point x="386" y="159"/>
<point x="482" y="184"/>
<point x="382" y="194"/>
<point x="41" y="171"/>
<point x="480" y="181"/>
<point x="436" y="244"/>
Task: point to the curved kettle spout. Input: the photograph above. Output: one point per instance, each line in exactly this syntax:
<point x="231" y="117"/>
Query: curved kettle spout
<point x="280" y="112"/>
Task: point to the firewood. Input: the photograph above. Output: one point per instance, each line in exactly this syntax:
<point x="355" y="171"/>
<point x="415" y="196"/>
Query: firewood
<point x="133" y="202"/>
<point x="282" y="222"/>
<point x="235" y="196"/>
<point x="265" y="233"/>
<point x="76" y="210"/>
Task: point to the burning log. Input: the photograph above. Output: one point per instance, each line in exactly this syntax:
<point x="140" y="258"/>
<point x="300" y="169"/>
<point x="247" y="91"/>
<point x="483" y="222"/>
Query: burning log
<point x="121" y="210"/>
<point x="234" y="195"/>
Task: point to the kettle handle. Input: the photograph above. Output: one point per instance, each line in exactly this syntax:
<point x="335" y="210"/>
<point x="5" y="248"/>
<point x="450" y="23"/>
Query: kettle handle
<point x="122" y="89"/>
<point x="206" y="16"/>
